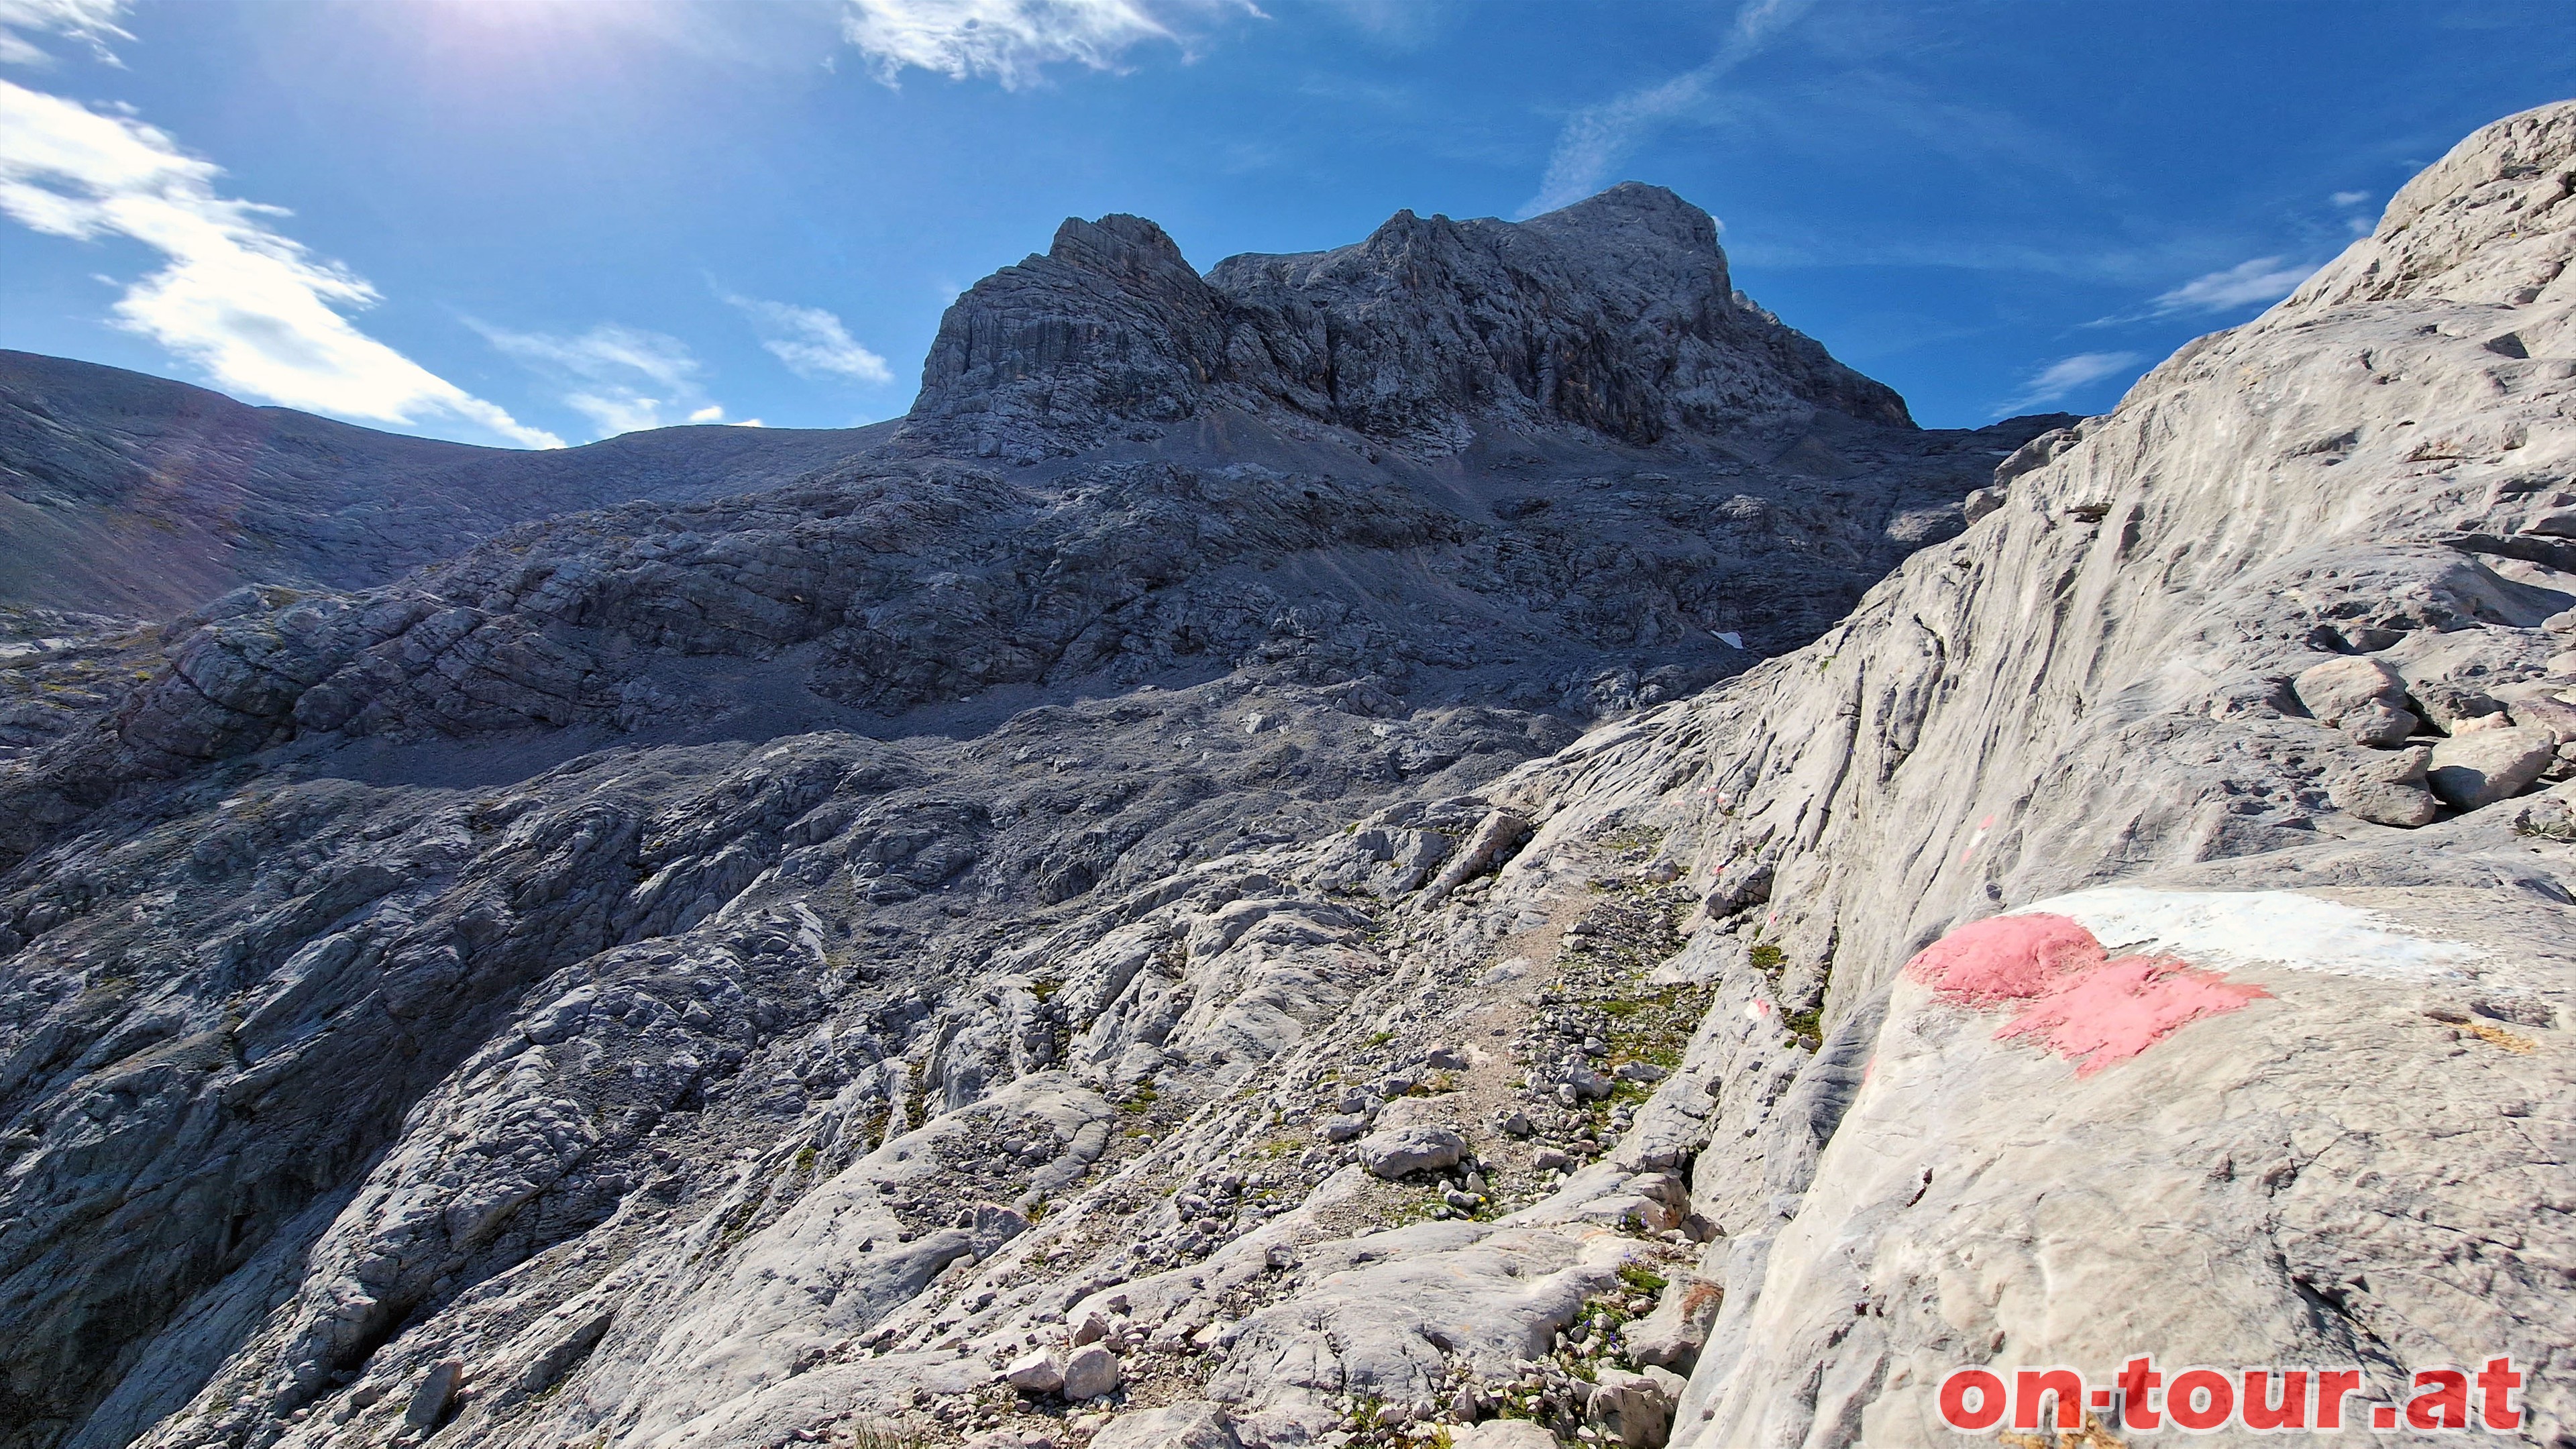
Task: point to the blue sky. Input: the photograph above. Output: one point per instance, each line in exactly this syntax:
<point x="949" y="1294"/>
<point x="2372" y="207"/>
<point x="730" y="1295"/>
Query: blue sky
<point x="525" y="221"/>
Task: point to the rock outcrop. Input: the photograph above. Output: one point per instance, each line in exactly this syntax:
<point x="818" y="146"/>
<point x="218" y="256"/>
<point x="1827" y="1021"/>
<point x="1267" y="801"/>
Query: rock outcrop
<point x="2035" y="968"/>
<point x="1614" y="317"/>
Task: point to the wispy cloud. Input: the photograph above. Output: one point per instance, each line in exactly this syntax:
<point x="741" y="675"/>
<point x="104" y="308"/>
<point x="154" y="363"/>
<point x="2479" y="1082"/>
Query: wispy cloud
<point x="92" y="23"/>
<point x="2256" y="283"/>
<point x="237" y="297"/>
<point x="1012" y="41"/>
<point x="2064" y="376"/>
<point x="1598" y="139"/>
<point x="624" y="379"/>
<point x="811" y="341"/>
<point x="2262" y="281"/>
<point x="2350" y="198"/>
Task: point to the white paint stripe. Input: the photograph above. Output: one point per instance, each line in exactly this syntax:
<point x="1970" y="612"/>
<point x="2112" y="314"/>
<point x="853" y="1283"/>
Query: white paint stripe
<point x="2222" y="929"/>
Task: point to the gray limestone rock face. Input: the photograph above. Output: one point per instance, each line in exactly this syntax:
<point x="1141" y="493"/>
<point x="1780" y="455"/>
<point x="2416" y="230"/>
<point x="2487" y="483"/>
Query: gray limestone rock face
<point x="739" y="971"/>
<point x="2474" y="770"/>
<point x="1195" y="1424"/>
<point x="1615" y="316"/>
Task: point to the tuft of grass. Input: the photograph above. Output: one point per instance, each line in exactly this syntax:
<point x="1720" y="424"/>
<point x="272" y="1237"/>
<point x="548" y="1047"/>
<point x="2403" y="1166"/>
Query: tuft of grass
<point x="1766" y="959"/>
<point x="888" y="1434"/>
<point x="1641" y="1278"/>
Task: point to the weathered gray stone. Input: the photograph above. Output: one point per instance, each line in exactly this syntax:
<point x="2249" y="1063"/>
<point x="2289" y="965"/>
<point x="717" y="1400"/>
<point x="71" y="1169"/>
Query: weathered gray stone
<point x="1630" y="1409"/>
<point x="1089" y="1372"/>
<point x="1503" y="1434"/>
<point x="1402" y="1151"/>
<point x="2379" y="725"/>
<point x="1672" y="1335"/>
<point x="1190" y="1424"/>
<point x="2348" y="687"/>
<point x="2474" y="770"/>
<point x="2385" y="789"/>
<point x="437" y="1388"/>
<point x="1035" y="1372"/>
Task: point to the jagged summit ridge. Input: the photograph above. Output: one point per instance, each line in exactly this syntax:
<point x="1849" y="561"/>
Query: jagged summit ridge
<point x="1616" y="316"/>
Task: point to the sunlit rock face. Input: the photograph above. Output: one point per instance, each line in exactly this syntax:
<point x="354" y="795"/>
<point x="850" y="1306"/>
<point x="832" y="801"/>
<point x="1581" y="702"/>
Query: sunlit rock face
<point x="1225" y="868"/>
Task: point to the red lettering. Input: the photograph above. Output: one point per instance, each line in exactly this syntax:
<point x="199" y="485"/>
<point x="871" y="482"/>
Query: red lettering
<point x="2138" y="1383"/>
<point x="2030" y="1384"/>
<point x="2445" y="1402"/>
<point x="2200" y="1399"/>
<point x="2498" y="1380"/>
<point x="1954" y="1400"/>
<point x="2332" y="1386"/>
<point x="2263" y="1411"/>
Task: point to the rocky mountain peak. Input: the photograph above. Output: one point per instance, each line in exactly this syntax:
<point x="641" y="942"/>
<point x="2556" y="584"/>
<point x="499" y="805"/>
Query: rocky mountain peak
<point x="1616" y="317"/>
<point x="1129" y="249"/>
<point x="1636" y="206"/>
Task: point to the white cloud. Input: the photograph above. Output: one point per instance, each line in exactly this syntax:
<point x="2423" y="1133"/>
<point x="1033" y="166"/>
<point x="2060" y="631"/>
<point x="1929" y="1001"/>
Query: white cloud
<point x="810" y="340"/>
<point x="2350" y="198"/>
<point x="91" y="22"/>
<point x="1596" y="141"/>
<point x="238" y="298"/>
<point x="2065" y="375"/>
<point x="623" y="379"/>
<point x="2263" y="281"/>
<point x="1012" y="41"/>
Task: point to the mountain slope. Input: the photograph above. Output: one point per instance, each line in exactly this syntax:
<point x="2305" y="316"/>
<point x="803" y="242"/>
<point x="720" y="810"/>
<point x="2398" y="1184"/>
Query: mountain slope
<point x="131" y="495"/>
<point x="750" y="972"/>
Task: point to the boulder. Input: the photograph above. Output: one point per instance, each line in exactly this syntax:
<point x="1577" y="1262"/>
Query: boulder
<point x="1089" y="1372"/>
<point x="2385" y="789"/>
<point x="1496" y="837"/>
<point x="2451" y="705"/>
<point x="993" y="1225"/>
<point x="1035" y="1372"/>
<point x="1401" y="1151"/>
<point x="1632" y="1410"/>
<point x="429" y="1402"/>
<point x="2380" y="726"/>
<point x="2474" y="770"/>
<point x="1502" y="1434"/>
<point x="1672" y="1336"/>
<point x="2344" y="687"/>
<point x="1189" y="1424"/>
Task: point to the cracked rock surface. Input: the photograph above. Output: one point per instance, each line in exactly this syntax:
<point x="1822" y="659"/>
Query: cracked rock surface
<point x="928" y="951"/>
